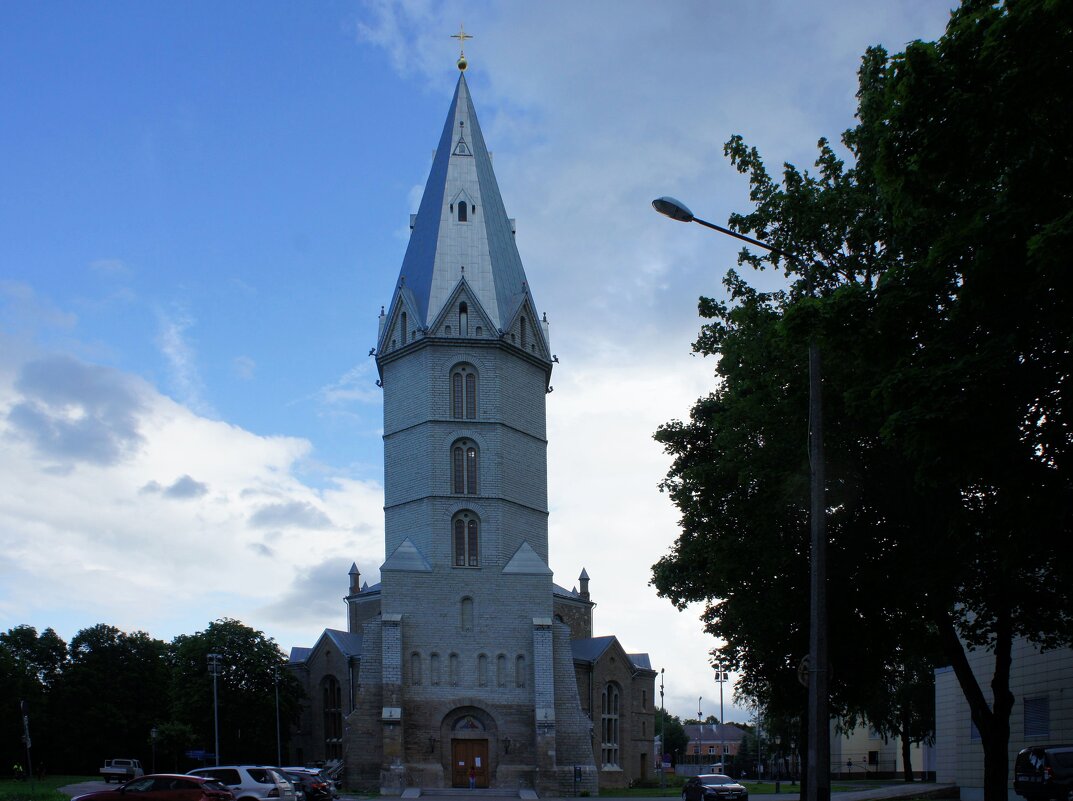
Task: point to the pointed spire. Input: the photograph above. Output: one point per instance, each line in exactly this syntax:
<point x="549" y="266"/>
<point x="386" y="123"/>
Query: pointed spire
<point x="462" y="212"/>
<point x="355" y="578"/>
<point x="584" y="580"/>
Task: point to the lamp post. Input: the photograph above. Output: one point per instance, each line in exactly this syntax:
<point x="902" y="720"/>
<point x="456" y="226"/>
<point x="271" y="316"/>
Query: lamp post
<point x="152" y="738"/>
<point x="214" y="670"/>
<point x="721" y="676"/>
<point x="819" y="744"/>
<point x="662" y="730"/>
<point x="279" y="749"/>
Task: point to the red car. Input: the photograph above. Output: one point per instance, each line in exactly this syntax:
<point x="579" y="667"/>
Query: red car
<point x="164" y="787"/>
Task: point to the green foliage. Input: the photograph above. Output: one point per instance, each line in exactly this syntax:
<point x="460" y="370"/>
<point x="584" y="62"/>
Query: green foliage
<point x="103" y="695"/>
<point x="672" y="731"/>
<point x="41" y="789"/>
<point x="933" y="274"/>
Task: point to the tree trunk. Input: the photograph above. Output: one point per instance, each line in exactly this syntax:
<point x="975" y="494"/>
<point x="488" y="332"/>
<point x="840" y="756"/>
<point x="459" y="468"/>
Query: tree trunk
<point x="907" y="756"/>
<point x="993" y="723"/>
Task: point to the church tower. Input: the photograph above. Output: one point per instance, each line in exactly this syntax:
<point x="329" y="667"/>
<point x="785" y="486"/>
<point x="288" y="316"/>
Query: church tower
<point x="464" y="675"/>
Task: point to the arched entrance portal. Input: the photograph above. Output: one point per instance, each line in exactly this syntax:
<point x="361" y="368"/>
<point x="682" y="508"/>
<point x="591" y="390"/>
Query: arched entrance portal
<point x="470" y="731"/>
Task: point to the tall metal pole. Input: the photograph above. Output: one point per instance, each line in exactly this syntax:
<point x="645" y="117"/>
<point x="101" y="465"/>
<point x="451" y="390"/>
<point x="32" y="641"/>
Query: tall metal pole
<point x="214" y="668"/>
<point x="818" y="785"/>
<point x="721" y="676"/>
<point x="279" y="750"/>
<point x="662" y="731"/>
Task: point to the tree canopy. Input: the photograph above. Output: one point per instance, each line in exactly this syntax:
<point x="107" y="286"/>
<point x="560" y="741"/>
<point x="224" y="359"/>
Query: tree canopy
<point x="933" y="273"/>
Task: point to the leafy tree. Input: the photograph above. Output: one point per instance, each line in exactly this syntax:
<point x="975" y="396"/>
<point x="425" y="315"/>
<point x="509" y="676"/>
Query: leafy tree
<point x="674" y="735"/>
<point x="29" y="666"/>
<point x="112" y="691"/>
<point x="250" y="664"/>
<point x="943" y="313"/>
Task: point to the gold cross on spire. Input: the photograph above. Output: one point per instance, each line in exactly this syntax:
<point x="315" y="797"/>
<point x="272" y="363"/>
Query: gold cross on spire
<point x="461" y="36"/>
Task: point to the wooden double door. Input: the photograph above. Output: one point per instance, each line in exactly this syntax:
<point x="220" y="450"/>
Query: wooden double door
<point x="469" y="758"/>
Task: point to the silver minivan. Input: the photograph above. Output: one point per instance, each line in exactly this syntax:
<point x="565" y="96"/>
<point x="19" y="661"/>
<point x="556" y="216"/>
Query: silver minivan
<point x="250" y="782"/>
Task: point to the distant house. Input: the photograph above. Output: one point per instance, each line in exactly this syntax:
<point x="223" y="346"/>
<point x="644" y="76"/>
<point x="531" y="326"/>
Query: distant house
<point x="712" y="743"/>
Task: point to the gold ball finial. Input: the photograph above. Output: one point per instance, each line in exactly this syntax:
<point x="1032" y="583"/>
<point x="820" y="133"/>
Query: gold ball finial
<point x="461" y="36"/>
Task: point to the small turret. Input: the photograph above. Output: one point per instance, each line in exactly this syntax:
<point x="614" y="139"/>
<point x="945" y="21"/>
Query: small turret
<point x="584" y="581"/>
<point x="355" y="579"/>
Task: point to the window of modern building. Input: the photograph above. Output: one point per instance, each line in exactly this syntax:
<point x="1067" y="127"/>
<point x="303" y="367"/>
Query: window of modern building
<point x="463" y="393"/>
<point x="465" y="535"/>
<point x="464" y="468"/>
<point x="609" y="725"/>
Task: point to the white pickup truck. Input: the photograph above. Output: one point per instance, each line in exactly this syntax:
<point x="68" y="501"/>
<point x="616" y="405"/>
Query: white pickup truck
<point x="121" y="770"/>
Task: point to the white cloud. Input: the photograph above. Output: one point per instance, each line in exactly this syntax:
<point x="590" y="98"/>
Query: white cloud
<point x="181" y="358"/>
<point x="126" y="535"/>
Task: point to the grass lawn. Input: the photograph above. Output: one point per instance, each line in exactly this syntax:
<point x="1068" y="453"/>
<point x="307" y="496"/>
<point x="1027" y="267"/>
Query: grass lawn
<point x="42" y="789"/>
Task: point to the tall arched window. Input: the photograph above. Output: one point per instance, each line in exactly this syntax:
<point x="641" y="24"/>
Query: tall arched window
<point x="501" y="670"/>
<point x="434" y="669"/>
<point x="466" y="614"/>
<point x="415" y="668"/>
<point x="482" y="670"/>
<point x="519" y="670"/>
<point x="463" y="320"/>
<point x="465" y="533"/>
<point x="463" y="393"/>
<point x="525" y="334"/>
<point x="332" y="699"/>
<point x="452" y="670"/>
<point x="462" y="211"/>
<point x="609" y="724"/>
<point x="402" y="328"/>
<point x="464" y="468"/>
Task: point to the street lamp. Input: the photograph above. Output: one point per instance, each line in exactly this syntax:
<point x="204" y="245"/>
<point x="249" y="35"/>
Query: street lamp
<point x="279" y="750"/>
<point x="662" y="730"/>
<point x="152" y="738"/>
<point x="721" y="676"/>
<point x="819" y="745"/>
<point x="214" y="670"/>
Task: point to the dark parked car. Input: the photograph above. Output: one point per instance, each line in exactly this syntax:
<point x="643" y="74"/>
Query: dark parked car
<point x="163" y="787"/>
<point x="311" y="785"/>
<point x="712" y="786"/>
<point x="1044" y="772"/>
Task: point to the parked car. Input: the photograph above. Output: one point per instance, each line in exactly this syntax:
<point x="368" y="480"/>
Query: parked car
<point x="1044" y="772"/>
<point x="122" y="770"/>
<point x="251" y="782"/>
<point x="711" y="786"/>
<point x="319" y="776"/>
<point x="164" y="787"/>
<point x="309" y="785"/>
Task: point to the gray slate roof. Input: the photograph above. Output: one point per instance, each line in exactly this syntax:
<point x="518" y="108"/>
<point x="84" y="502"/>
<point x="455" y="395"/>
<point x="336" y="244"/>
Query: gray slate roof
<point x="483" y="251"/>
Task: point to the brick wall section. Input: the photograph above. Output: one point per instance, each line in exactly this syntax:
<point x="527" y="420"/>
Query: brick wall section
<point x="573" y="735"/>
<point x="363" y="748"/>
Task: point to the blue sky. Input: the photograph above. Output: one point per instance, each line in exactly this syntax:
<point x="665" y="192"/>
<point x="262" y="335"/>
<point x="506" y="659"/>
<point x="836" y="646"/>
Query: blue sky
<point x="204" y="206"/>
